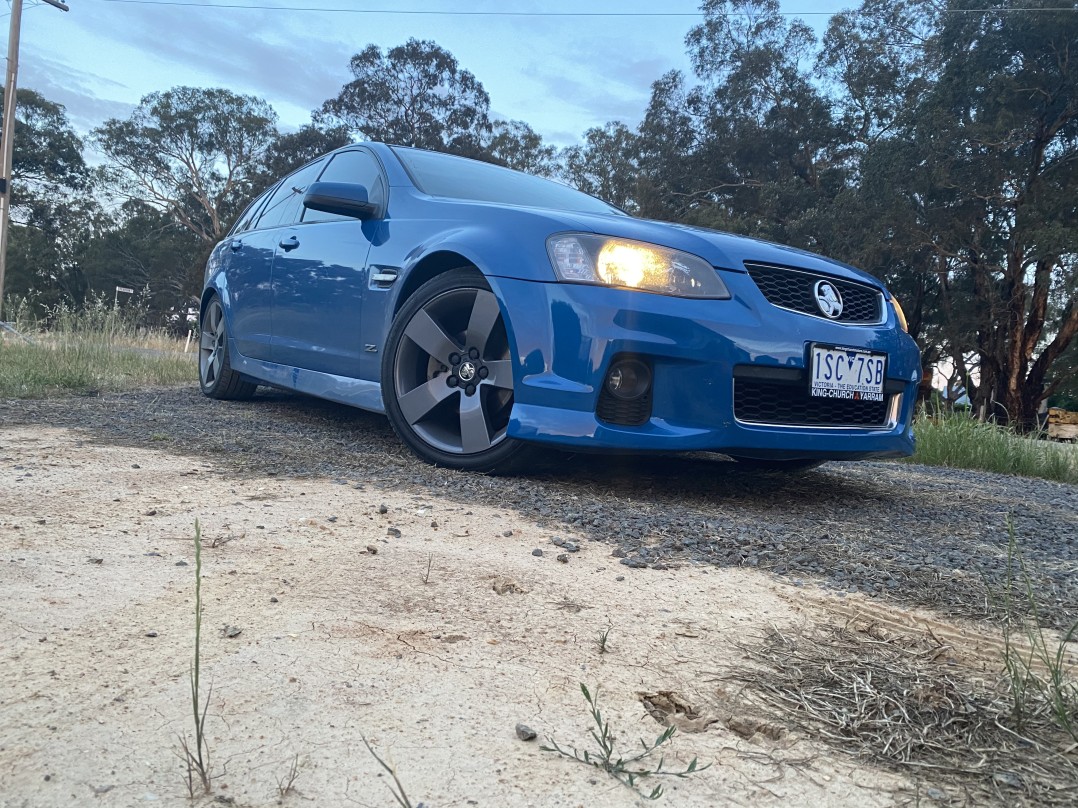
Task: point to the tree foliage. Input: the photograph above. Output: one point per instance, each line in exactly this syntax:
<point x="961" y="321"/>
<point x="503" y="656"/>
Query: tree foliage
<point x="414" y="94"/>
<point x="52" y="214"/>
<point x="516" y="145"/>
<point x="190" y="152"/>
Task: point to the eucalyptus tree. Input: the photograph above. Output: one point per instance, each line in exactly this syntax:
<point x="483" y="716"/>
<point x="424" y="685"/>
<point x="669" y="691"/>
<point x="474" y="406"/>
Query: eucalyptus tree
<point x="997" y="142"/>
<point x="606" y="164"/>
<point x="190" y="152"/>
<point x="515" y="144"/>
<point x="415" y="94"/>
<point x="52" y="213"/>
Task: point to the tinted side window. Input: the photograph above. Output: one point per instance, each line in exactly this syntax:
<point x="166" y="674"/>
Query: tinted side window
<point x="246" y="222"/>
<point x="351" y="166"/>
<point x="287" y="201"/>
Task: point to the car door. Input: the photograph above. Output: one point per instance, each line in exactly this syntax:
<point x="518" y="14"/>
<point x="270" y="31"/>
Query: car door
<point x="320" y="276"/>
<point x="247" y="260"/>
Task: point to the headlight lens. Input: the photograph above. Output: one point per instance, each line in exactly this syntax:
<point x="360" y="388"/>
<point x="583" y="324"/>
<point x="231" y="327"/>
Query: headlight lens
<point x="900" y="315"/>
<point x="583" y="258"/>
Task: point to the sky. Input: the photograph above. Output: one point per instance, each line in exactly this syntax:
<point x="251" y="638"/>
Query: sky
<point x="560" y="74"/>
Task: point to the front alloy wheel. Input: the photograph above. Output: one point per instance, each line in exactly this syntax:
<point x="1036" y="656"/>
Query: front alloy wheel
<point x="447" y="375"/>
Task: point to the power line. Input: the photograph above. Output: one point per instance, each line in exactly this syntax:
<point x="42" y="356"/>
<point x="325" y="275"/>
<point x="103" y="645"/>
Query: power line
<point x="447" y="13"/>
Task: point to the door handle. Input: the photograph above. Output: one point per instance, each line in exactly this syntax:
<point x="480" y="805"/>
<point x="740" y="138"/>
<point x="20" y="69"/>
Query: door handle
<point x="289" y="243"/>
<point x="236" y="246"/>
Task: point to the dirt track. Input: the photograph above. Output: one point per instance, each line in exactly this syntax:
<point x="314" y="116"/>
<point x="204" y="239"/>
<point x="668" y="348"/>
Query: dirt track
<point x="344" y="634"/>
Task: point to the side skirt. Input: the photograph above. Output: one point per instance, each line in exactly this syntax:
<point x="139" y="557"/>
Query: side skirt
<point x="366" y="395"/>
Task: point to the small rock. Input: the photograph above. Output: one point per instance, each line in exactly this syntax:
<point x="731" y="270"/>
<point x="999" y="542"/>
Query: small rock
<point x="537" y="552"/>
<point x="231" y="631"/>
<point x="571" y="547"/>
<point x="273" y="600"/>
<point x="507" y="533"/>
<point x="95" y="561"/>
<point x="151" y="633"/>
<point x="505" y="586"/>
<point x="151" y="512"/>
<point x="620" y="578"/>
<point x="382" y="508"/>
<point x="526" y="733"/>
<point x="181" y="563"/>
<point x="393" y="532"/>
<point x="558" y="541"/>
<point x="634" y="563"/>
<point x="434" y="523"/>
<point x="331" y="519"/>
<point x="135" y="466"/>
<point x="372" y="549"/>
<point x="1008" y="779"/>
<point x="563" y="558"/>
<point x="936" y="794"/>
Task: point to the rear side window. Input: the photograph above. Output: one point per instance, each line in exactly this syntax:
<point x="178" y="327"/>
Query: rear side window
<point x="351" y="166"/>
<point x="285" y="205"/>
<point x="247" y="221"/>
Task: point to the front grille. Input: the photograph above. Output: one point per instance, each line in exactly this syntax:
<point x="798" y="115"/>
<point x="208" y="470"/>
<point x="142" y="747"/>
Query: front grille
<point x="795" y="289"/>
<point x="762" y="401"/>
<point x="624" y="413"/>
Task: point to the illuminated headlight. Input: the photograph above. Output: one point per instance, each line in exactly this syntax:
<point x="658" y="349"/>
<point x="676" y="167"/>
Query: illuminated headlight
<point x="581" y="258"/>
<point x="900" y="315"/>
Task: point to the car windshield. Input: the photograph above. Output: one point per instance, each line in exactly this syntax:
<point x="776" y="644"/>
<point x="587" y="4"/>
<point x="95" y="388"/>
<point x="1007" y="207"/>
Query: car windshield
<point x="460" y="178"/>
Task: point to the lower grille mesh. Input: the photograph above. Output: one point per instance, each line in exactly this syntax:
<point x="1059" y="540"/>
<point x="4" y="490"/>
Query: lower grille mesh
<point x="767" y="402"/>
<point x="625" y="413"/>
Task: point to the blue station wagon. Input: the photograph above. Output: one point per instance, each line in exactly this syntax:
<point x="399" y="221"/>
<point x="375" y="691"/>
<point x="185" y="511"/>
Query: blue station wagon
<point x="487" y="312"/>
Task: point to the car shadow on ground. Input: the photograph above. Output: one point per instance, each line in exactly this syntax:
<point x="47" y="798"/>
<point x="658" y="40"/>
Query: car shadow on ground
<point x="918" y="535"/>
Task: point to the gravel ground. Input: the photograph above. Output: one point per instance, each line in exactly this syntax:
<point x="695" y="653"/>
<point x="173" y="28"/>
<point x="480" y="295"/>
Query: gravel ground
<point x="919" y="535"/>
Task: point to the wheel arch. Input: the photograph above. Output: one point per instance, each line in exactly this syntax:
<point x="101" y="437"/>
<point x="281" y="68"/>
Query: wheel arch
<point x="216" y="288"/>
<point x="429" y="267"/>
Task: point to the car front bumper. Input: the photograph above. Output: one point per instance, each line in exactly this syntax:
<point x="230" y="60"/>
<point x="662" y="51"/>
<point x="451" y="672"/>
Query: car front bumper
<point x="566" y="335"/>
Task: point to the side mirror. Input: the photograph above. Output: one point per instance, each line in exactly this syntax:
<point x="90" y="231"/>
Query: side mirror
<point x="342" y="198"/>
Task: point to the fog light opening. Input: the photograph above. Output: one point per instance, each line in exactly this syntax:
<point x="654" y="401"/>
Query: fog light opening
<point x="628" y="379"/>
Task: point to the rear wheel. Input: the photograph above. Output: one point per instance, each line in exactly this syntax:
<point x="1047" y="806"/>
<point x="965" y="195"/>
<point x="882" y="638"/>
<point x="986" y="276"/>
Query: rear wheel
<point x="215" y="374"/>
<point x="447" y="376"/>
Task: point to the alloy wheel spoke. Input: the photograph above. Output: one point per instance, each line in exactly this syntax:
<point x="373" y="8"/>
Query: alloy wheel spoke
<point x="214" y="366"/>
<point x="484" y="317"/>
<point x="208" y="340"/>
<point x="429" y="336"/>
<point x="474" y="434"/>
<point x="418" y="402"/>
<point x="501" y="373"/>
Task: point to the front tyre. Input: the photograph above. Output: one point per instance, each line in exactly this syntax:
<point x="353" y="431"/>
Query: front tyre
<point x="215" y="374"/>
<point x="447" y="376"/>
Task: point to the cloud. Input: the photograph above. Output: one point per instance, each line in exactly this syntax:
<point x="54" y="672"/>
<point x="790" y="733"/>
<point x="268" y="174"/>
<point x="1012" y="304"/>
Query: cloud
<point x="560" y="75"/>
<point x="77" y="91"/>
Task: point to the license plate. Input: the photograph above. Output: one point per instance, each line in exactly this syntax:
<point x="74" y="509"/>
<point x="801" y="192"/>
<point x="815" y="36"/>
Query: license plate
<point x="851" y="373"/>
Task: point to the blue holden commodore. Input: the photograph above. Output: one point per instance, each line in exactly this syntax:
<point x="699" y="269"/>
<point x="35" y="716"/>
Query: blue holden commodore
<point x="487" y="312"/>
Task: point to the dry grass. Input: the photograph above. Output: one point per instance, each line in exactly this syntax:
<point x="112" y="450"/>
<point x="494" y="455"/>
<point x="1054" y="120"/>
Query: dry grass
<point x="95" y="349"/>
<point x="906" y="703"/>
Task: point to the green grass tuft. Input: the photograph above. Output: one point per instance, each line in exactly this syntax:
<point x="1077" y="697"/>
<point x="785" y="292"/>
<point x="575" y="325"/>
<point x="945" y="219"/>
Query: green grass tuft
<point x="958" y="441"/>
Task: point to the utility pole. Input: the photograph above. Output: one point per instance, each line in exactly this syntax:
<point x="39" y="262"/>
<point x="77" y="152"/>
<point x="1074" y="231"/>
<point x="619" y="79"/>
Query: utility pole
<point x="7" y="131"/>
